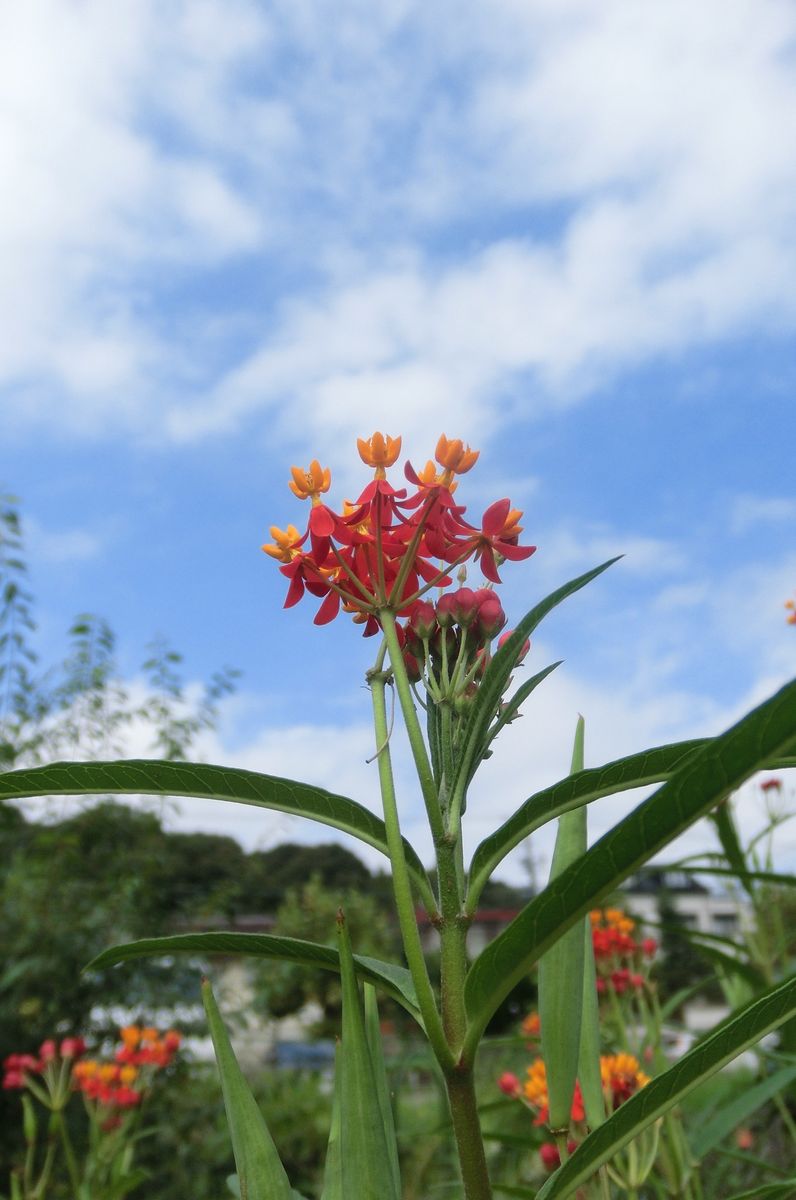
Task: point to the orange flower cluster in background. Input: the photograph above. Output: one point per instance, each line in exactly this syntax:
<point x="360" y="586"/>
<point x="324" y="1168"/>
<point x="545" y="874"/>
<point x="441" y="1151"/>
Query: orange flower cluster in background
<point x="535" y="1093"/>
<point x="119" y="1084"/>
<point x="390" y="547"/>
<point x="621" y="1078"/>
<point x="618" y="957"/>
<point x="791" y="607"/>
<point x="147" y="1047"/>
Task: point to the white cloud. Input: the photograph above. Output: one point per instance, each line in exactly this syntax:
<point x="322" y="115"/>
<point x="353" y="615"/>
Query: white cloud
<point x="141" y="144"/>
<point x="750" y="510"/>
<point x="60" y="546"/>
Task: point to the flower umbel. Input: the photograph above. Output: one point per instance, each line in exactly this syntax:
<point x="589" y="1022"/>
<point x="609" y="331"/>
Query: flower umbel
<point x="388" y="549"/>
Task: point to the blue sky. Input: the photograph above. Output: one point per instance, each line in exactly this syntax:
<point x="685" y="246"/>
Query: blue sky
<point x="236" y="235"/>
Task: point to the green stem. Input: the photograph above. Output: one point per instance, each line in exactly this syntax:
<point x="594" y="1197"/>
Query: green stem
<point x="413" y="730"/>
<point x="39" y="1190"/>
<point x="787" y="1119"/>
<point x="69" y="1154"/>
<point x="467" y="1131"/>
<point x="402" y="886"/>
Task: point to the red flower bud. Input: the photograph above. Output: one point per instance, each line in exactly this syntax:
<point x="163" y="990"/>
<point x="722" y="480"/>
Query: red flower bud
<point x="504" y="637"/>
<point x="48" y="1051"/>
<point x="491" y="617"/>
<point x="444" y="610"/>
<point x="464" y="606"/>
<point x="649" y="946"/>
<point x="423" y="619"/>
<point x="509" y="1084"/>
<point x="72" y="1047"/>
<point x="549" y="1155"/>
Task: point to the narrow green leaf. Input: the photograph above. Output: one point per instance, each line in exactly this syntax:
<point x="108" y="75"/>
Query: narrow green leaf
<point x="496" y="678"/>
<point x="373" y="1035"/>
<point x="703" y="781"/>
<point x="260" y="1172"/>
<point x="561" y="973"/>
<point x="774" y="877"/>
<point x="724" y="822"/>
<point x="785" y="1190"/>
<point x="637" y="770"/>
<point x="333" y="1168"/>
<point x="722" y="1123"/>
<point x="155" y="778"/>
<point x="366" y="1161"/>
<point x="517" y="699"/>
<point x="757" y="1019"/>
<point x="396" y="981"/>
<point x="589" y="1073"/>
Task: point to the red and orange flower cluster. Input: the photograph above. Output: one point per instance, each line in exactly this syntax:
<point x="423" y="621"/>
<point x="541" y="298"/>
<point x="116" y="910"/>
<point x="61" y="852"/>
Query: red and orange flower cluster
<point x="621" y="1078"/>
<point x="387" y="549"/>
<point x="619" y="958"/>
<point x="118" y="1084"/>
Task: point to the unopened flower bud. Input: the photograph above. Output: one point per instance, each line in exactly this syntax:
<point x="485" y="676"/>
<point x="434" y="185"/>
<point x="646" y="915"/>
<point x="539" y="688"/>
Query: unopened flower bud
<point x="504" y="637"/>
<point x="649" y="946"/>
<point x="464" y="606"/>
<point x="48" y="1051"/>
<point x="491" y="617"/>
<point x="444" y="612"/>
<point x="423" y="620"/>
<point x="509" y="1084"/>
<point x="72" y="1047"/>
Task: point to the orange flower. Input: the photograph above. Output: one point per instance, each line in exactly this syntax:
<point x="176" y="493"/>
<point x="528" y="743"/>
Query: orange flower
<point x="621" y="1077"/>
<point x="131" y="1036"/>
<point x="535" y="1091"/>
<point x="86" y="1069"/>
<point x="430" y="477"/>
<point x="791" y="617"/>
<point x="283" y="547"/>
<point x="128" y="1075"/>
<point x="379" y="451"/>
<point x="454" y="456"/>
<point x="309" y="484"/>
<point x="531" y="1026"/>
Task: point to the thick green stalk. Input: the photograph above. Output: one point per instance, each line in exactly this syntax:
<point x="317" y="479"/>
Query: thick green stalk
<point x="402" y="886"/>
<point x="467" y="1131"/>
<point x="414" y="732"/>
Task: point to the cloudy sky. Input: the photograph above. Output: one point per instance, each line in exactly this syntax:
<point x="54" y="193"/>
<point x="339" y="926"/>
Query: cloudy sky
<point x="234" y="235"/>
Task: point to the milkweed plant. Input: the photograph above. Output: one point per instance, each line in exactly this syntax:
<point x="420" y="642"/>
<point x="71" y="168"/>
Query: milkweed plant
<point x="395" y="562"/>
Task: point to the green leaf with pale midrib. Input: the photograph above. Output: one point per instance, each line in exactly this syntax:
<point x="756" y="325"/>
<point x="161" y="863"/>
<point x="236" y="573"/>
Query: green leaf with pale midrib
<point x="200" y="780"/>
<point x="393" y="979"/>
<point x="757" y="1019"/>
<point x="706" y="778"/>
<point x="637" y="770"/>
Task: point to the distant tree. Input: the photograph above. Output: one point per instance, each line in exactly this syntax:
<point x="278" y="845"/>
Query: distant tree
<point x="310" y="912"/>
<point x="271" y="873"/>
<point x="681" y="964"/>
<point x="81" y="706"/>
